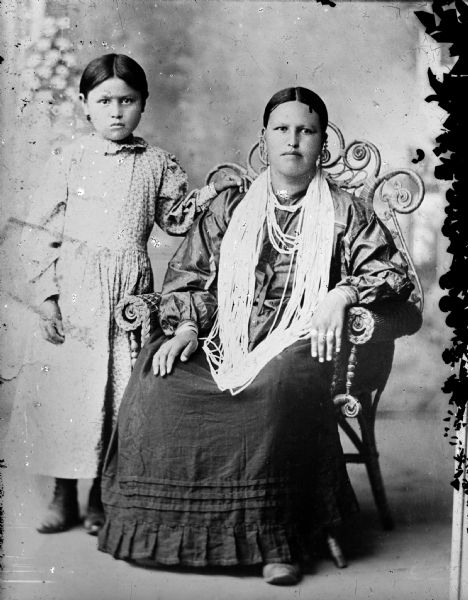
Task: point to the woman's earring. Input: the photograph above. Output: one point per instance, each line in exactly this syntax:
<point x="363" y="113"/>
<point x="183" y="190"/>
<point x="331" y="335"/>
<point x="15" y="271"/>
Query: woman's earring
<point x="262" y="150"/>
<point x="324" y="154"/>
<point x="88" y="118"/>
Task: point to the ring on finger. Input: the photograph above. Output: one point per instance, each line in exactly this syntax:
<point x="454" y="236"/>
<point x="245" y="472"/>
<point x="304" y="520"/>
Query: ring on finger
<point x="330" y="334"/>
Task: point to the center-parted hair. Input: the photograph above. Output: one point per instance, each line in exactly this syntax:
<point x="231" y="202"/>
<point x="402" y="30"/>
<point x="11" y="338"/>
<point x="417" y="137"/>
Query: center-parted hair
<point x="298" y="94"/>
<point x="114" y="65"/>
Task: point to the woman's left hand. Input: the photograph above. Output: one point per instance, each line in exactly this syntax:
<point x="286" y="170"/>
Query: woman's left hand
<point x="327" y="326"/>
<point x="228" y="180"/>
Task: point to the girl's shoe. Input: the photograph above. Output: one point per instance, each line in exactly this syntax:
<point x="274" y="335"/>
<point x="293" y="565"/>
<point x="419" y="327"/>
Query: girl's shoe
<point x="281" y="573"/>
<point x="63" y="512"/>
<point x="94" y="519"/>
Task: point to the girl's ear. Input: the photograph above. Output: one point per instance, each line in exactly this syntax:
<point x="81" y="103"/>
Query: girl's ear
<point x="84" y="104"/>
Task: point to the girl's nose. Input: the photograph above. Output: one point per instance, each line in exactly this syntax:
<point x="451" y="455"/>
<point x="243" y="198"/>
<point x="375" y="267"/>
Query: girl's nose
<point x="116" y="109"/>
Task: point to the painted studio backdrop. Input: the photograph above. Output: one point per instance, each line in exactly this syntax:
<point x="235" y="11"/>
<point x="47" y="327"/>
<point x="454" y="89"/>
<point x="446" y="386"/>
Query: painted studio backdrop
<point x="210" y="72"/>
<point x="211" y="67"/>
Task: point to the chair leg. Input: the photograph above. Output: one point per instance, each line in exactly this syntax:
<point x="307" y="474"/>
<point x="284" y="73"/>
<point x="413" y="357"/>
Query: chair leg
<point x="335" y="550"/>
<point x="378" y="490"/>
<point x="375" y="474"/>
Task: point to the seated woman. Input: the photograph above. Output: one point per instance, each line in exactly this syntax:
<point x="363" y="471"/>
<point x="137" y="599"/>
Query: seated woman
<point x="228" y="453"/>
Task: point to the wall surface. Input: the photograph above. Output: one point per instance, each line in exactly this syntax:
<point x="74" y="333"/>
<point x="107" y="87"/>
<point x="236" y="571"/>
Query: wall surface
<point x="212" y="66"/>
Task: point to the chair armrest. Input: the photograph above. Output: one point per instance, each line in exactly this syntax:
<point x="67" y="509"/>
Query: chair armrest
<point x="379" y="325"/>
<point x="134" y="312"/>
<point x="383" y="323"/>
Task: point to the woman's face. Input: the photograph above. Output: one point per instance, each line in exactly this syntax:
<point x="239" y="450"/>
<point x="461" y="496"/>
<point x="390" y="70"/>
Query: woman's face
<point x="114" y="109"/>
<point x="293" y="139"/>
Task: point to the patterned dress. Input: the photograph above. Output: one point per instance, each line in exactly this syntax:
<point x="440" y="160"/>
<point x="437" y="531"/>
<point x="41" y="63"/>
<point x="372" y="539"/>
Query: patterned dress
<point x="87" y="243"/>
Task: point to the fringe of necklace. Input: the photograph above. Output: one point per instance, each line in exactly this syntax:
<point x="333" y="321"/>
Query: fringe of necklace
<point x="232" y="366"/>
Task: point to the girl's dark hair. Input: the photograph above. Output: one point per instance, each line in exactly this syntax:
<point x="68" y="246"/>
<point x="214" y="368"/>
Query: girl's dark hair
<point x="114" y="65"/>
<point x="299" y="94"/>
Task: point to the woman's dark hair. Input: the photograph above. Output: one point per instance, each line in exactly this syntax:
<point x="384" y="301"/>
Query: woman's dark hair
<point x="114" y="65"/>
<point x="299" y="94"/>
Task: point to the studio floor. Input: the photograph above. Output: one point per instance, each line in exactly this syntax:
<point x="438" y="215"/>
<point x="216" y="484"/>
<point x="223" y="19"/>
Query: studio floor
<point x="409" y="563"/>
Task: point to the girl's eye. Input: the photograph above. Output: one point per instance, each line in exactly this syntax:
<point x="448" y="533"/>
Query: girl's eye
<point x="128" y="101"/>
<point x="281" y="128"/>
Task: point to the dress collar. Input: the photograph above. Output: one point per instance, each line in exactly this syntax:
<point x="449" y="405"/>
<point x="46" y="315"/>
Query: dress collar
<point x="101" y="146"/>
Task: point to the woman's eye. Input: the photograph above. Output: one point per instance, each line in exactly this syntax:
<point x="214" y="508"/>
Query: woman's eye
<point x="104" y="101"/>
<point x="128" y="101"/>
<point x="281" y="128"/>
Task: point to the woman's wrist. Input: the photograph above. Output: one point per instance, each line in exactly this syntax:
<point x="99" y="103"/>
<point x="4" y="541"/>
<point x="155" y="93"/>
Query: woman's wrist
<point x="187" y="326"/>
<point x="348" y="293"/>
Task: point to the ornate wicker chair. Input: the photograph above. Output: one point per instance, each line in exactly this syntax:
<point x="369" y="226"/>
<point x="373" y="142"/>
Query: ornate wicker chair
<point x="363" y="366"/>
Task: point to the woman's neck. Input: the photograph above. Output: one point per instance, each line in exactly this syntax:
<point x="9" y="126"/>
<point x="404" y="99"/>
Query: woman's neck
<point x="289" y="187"/>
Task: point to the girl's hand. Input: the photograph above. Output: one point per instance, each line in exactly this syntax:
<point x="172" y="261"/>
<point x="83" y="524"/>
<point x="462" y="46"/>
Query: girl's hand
<point x="228" y="180"/>
<point x="51" y="321"/>
<point x="182" y="344"/>
<point x="327" y="326"/>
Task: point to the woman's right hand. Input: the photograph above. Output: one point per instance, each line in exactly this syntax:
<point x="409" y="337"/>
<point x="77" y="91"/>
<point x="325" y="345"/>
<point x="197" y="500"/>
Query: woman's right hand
<point x="51" y="321"/>
<point x="183" y="344"/>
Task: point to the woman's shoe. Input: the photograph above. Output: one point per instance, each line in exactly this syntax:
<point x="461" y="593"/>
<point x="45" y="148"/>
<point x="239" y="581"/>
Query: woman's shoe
<point x="63" y="512"/>
<point x="281" y="573"/>
<point x="94" y="519"/>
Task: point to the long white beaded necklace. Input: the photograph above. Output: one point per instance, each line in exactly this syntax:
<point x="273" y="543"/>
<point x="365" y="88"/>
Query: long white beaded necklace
<point x="232" y="364"/>
<point x="283" y="243"/>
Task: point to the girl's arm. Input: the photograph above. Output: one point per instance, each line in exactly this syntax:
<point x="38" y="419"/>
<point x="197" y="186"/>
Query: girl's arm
<point x="43" y="230"/>
<point x="176" y="210"/>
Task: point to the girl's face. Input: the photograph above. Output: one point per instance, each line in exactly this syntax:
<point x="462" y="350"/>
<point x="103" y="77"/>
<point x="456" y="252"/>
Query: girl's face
<point x="114" y="109"/>
<point x="294" y="141"/>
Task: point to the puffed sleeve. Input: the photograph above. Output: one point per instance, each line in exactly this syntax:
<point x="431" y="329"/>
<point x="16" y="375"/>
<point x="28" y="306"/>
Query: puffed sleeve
<point x="373" y="268"/>
<point x="189" y="291"/>
<point x="175" y="209"/>
<point x="43" y="229"/>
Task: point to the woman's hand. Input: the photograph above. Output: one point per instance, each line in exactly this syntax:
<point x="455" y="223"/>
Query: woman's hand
<point x="228" y="180"/>
<point x="51" y="321"/>
<point x="183" y="344"/>
<point x="327" y="326"/>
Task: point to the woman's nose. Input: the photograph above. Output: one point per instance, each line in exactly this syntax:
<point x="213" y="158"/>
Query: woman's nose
<point x="293" y="139"/>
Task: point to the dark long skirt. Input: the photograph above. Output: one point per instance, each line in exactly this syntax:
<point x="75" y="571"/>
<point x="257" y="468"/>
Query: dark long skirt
<point x="196" y="476"/>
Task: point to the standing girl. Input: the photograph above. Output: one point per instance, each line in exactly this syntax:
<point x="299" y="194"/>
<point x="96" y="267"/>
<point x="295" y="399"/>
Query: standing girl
<point x="85" y="250"/>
